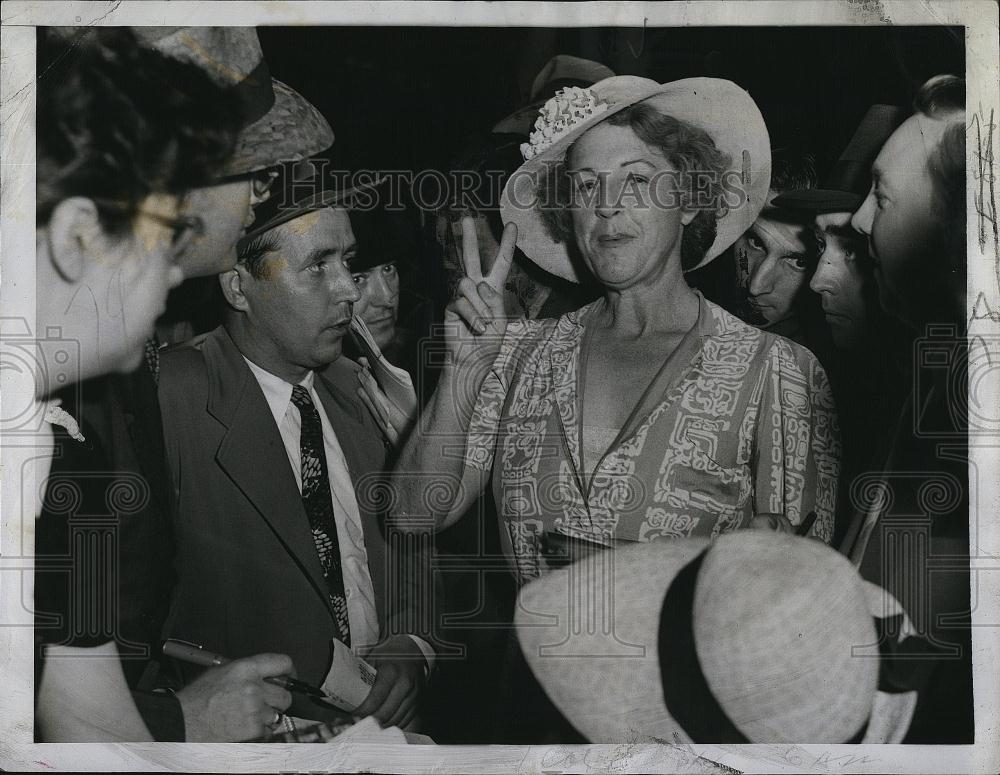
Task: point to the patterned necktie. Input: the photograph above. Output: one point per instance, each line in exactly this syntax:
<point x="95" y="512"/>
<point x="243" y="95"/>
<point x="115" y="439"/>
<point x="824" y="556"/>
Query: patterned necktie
<point x="319" y="506"/>
<point x="152" y="353"/>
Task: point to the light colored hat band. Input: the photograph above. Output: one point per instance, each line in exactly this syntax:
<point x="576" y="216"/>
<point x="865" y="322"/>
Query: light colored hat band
<point x="254" y="94"/>
<point x="686" y="692"/>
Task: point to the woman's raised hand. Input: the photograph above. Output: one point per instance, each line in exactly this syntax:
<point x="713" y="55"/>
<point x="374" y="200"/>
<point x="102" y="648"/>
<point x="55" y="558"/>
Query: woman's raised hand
<point x="476" y="320"/>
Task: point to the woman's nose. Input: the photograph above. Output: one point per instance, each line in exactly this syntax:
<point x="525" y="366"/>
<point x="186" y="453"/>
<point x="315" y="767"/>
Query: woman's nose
<point x="608" y="201"/>
<point x="762" y="277"/>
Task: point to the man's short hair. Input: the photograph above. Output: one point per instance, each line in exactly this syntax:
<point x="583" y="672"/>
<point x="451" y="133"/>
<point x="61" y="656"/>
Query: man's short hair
<point x="252" y="254"/>
<point x="943" y="98"/>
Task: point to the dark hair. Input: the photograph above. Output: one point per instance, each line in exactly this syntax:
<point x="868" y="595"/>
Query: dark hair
<point x="688" y="148"/>
<point x="943" y="98"/>
<point x="251" y="255"/>
<point x="792" y="170"/>
<point x="117" y="122"/>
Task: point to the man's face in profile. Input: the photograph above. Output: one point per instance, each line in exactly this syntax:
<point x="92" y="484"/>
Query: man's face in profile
<point x="843" y="280"/>
<point x="900" y="219"/>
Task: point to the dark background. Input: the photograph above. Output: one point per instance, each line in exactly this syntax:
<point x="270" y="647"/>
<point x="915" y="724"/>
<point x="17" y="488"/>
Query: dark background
<point x="411" y="98"/>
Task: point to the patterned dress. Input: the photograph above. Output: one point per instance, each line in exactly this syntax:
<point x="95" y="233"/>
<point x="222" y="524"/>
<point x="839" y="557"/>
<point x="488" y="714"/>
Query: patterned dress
<point x="738" y="422"/>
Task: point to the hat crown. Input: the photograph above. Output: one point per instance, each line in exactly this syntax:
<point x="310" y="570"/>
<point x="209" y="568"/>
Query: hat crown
<point x="227" y="54"/>
<point x="852" y="172"/>
<point x="564" y="67"/>
<point x="776" y="646"/>
<point x="775" y="620"/>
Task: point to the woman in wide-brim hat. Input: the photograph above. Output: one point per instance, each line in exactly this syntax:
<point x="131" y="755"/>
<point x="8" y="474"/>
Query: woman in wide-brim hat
<point x="650" y="413"/>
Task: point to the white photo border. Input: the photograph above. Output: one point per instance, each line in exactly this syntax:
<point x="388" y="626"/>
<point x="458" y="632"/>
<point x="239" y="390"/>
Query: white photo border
<point x="17" y="315"/>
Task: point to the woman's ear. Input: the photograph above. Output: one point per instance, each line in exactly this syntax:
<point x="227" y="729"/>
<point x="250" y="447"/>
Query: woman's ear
<point x="74" y="235"/>
<point x="231" y="282"/>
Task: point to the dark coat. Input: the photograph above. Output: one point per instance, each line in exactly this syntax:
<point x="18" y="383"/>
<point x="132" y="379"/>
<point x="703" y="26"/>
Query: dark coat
<point x="249" y="578"/>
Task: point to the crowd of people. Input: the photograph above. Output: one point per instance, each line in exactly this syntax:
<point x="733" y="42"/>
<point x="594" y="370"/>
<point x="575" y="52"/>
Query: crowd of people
<point x="673" y="386"/>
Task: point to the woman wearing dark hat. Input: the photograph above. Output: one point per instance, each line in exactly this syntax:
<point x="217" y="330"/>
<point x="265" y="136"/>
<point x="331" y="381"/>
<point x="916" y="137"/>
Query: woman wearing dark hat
<point x="650" y="413"/>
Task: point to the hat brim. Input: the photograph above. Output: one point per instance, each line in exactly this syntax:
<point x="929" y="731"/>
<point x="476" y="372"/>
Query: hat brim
<point x="590" y="633"/>
<point x="721" y="108"/>
<point x="333" y="197"/>
<point x="607" y="685"/>
<point x="819" y="200"/>
<point x="293" y="129"/>
<point x="520" y="122"/>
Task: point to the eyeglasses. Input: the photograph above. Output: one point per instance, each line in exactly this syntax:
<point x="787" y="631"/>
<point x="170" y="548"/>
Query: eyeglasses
<point x="183" y="228"/>
<point x="260" y="183"/>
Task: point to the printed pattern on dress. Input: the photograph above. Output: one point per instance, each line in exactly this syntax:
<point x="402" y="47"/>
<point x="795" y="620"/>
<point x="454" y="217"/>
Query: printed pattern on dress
<point x="749" y="427"/>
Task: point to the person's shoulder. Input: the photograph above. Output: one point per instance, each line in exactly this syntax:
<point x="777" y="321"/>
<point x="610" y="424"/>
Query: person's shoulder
<point x="342" y="374"/>
<point x="185" y="369"/>
<point x="729" y="326"/>
<point x="724" y="324"/>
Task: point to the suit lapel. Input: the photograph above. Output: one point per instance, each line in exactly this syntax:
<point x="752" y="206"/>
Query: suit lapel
<point x="253" y="456"/>
<point x="365" y="463"/>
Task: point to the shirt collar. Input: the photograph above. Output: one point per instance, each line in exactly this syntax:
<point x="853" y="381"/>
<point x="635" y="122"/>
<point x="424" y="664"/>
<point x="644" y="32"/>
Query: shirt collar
<point x="277" y="392"/>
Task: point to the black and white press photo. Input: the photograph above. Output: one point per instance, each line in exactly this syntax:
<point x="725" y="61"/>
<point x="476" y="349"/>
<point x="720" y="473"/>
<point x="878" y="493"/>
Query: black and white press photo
<point x="489" y="387"/>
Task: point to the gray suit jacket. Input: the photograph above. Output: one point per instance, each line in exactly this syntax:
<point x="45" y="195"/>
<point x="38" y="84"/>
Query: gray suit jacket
<point x="249" y="578"/>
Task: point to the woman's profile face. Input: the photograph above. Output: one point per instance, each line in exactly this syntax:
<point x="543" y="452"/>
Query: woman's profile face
<point x="142" y="271"/>
<point x="627" y="214"/>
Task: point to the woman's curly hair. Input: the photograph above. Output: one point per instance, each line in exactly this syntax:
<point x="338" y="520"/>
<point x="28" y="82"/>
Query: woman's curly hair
<point x="689" y="149"/>
<point x="117" y="122"/>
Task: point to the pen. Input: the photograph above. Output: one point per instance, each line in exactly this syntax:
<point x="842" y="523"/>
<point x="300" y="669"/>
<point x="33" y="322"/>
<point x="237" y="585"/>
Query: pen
<point x="196" y="655"/>
<point x="807" y="524"/>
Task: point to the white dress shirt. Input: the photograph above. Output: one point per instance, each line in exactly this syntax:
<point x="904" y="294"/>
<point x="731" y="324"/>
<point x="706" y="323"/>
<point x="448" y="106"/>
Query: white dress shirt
<point x="362" y="614"/>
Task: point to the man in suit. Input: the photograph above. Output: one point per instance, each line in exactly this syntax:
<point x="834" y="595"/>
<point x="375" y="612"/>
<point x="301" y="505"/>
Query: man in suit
<point x="119" y="466"/>
<point x="914" y="546"/>
<point x="276" y="464"/>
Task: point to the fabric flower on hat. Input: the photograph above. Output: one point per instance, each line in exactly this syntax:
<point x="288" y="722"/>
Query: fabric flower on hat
<point x="569" y="107"/>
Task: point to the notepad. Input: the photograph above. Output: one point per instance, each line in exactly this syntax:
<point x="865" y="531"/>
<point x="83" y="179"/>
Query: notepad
<point x="350" y="678"/>
<point x="393" y="381"/>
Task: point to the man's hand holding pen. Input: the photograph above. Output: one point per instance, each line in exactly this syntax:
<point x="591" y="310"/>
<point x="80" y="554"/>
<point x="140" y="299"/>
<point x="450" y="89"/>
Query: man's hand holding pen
<point x="234" y="702"/>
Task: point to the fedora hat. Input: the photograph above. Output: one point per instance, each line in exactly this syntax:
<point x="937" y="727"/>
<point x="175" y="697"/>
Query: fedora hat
<point x="278" y="123"/>
<point x="383" y="236"/>
<point x="848" y="182"/>
<point x="302" y="187"/>
<point x="562" y="70"/>
<point x="756" y="637"/>
<point x="719" y="107"/>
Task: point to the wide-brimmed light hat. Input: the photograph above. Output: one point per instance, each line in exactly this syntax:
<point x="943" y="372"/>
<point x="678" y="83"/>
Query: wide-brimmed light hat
<point x="757" y="637"/>
<point x="278" y="123"/>
<point x="721" y="108"/>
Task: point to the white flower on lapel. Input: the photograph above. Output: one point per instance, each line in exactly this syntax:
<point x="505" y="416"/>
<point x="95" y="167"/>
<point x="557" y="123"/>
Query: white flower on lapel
<point x="56" y="415"/>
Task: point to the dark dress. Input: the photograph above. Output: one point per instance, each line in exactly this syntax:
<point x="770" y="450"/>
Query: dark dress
<point x="104" y="537"/>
